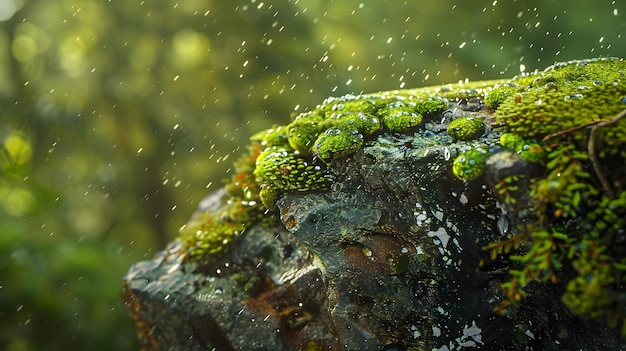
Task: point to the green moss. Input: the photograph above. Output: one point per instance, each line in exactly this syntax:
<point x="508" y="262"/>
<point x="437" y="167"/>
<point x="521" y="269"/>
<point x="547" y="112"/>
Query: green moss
<point x="431" y="105"/>
<point x="339" y="126"/>
<point x="565" y="96"/>
<point x="470" y="164"/>
<point x="500" y="93"/>
<point x="528" y="150"/>
<point x="466" y="128"/>
<point x="567" y="118"/>
<point x="354" y="122"/>
<point x="402" y="121"/>
<point x="287" y="158"/>
<point x="251" y="284"/>
<point x="351" y="103"/>
<point x="402" y="116"/>
<point x="281" y="169"/>
<point x="210" y="235"/>
<point x="512" y="141"/>
<point x="304" y="130"/>
<point x="335" y="143"/>
<point x="275" y="136"/>
<point x="399" y="116"/>
<point x="558" y="104"/>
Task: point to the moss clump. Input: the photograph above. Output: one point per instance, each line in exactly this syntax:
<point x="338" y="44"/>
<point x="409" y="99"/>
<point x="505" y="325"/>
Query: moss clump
<point x="528" y="150"/>
<point x="399" y="116"/>
<point x="304" y="130"/>
<point x="351" y="103"/>
<point x="358" y="122"/>
<point x="565" y="96"/>
<point x="339" y="126"/>
<point x="402" y="116"/>
<point x="501" y="92"/>
<point x="466" y="128"/>
<point x="335" y="143"/>
<point x="211" y="233"/>
<point x="470" y="164"/>
<point x="280" y="169"/>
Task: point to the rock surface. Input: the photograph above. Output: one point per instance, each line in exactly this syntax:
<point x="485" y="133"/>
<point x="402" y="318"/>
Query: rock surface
<point x="388" y="258"/>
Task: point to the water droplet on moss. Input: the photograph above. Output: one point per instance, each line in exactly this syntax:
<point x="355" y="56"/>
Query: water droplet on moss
<point x="574" y="97"/>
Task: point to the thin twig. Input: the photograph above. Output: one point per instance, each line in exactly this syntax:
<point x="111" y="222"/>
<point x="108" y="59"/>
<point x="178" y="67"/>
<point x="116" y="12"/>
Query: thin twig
<point x="593" y="157"/>
<point x="568" y="130"/>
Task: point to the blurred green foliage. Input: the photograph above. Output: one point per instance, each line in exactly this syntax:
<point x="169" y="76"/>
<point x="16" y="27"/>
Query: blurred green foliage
<point x="116" y="117"/>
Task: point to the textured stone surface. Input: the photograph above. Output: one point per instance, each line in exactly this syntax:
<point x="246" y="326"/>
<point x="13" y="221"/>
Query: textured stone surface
<point x="383" y="247"/>
<point x="386" y="259"/>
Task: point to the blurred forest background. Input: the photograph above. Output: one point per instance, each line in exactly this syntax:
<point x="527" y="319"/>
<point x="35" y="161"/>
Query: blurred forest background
<point x="118" y="116"/>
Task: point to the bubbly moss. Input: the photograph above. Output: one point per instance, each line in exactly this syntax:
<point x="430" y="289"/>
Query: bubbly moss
<point x="466" y="128"/>
<point x="403" y="116"/>
<point x="401" y="121"/>
<point x="335" y="143"/>
<point x="470" y="164"/>
<point x="359" y="122"/>
<point x="209" y="235"/>
<point x="281" y="169"/>
<point x="304" y="130"/>
<point x="339" y="126"/>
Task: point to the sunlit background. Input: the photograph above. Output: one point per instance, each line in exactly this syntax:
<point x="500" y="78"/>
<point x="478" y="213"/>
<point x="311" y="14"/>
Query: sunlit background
<point x="118" y="116"/>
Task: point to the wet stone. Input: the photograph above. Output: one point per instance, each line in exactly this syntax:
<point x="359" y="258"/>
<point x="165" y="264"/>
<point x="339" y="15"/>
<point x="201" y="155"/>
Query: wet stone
<point x="389" y="257"/>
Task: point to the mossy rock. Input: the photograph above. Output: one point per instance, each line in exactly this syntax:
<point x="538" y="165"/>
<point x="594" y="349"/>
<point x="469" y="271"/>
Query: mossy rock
<point x="565" y="120"/>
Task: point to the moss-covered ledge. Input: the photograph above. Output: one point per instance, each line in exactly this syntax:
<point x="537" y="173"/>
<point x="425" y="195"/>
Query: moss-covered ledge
<point x="536" y="163"/>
